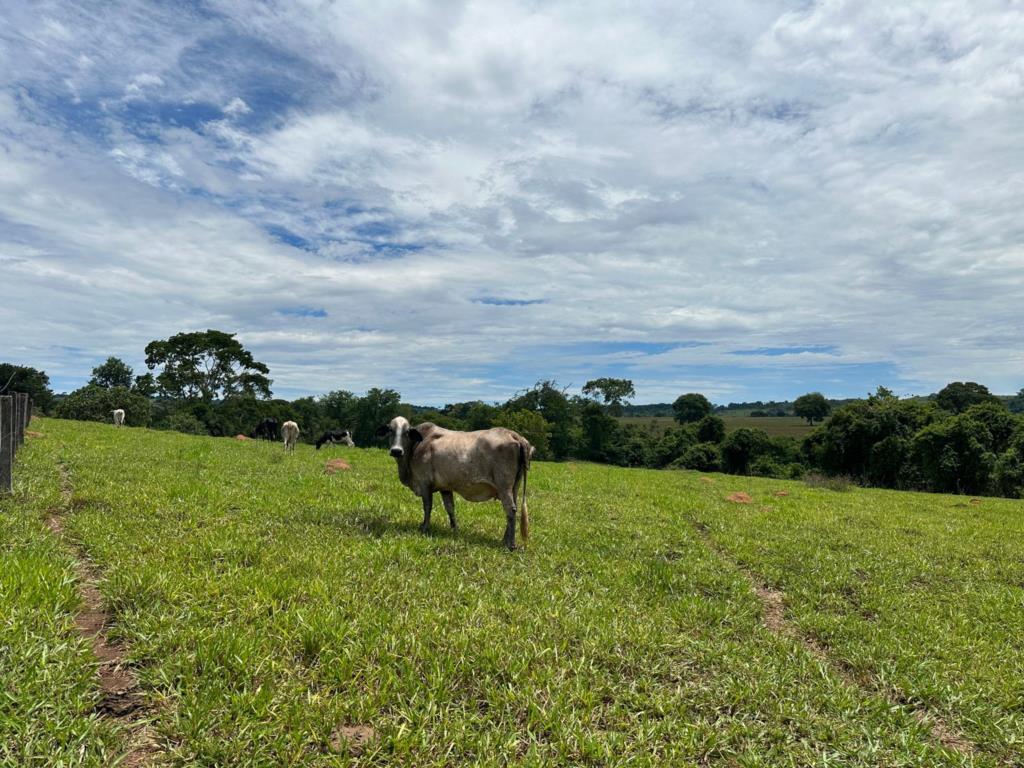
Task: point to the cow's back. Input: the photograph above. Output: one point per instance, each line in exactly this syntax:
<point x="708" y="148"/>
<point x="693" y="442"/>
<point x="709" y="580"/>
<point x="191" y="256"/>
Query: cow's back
<point x="478" y="465"/>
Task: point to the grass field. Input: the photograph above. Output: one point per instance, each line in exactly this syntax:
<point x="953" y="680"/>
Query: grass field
<point x="776" y="426"/>
<point x="266" y="607"/>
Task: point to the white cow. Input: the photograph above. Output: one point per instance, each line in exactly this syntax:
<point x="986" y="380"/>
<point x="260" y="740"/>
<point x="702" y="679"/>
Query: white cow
<point x="119" y="417"/>
<point x="290" y="433"/>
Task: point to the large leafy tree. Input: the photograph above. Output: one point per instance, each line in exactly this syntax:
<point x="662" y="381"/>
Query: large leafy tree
<point x="613" y="392"/>
<point x="958" y="396"/>
<point x="21" y="378"/>
<point x="813" y="406"/>
<point x="96" y="403"/>
<point x="115" y="372"/>
<point x="206" y="365"/>
<point x="691" y="407"/>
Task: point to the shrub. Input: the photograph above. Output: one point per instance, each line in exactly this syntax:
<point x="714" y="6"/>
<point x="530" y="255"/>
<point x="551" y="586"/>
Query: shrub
<point x="185" y="421"/>
<point x="703" y="457"/>
<point x="93" y="403"/>
<point x="742" y="447"/>
<point x="710" y="429"/>
<point x="530" y="425"/>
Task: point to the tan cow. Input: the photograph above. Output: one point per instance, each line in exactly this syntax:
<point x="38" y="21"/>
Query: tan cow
<point x="290" y="433"/>
<point x="479" y="466"/>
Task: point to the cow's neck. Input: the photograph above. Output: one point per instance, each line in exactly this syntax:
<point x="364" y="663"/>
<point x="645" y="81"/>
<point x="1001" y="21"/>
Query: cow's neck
<point x="404" y="470"/>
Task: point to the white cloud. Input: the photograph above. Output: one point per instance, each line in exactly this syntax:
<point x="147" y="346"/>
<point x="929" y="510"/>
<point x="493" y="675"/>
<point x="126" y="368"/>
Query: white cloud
<point x="743" y="175"/>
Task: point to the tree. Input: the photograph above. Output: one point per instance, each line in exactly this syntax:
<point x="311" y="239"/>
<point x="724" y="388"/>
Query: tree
<point x="691" y="407"/>
<point x="813" y="406"/>
<point x="530" y="425"/>
<point x="376" y="407"/>
<point x="703" y="457"/>
<point x="711" y="429"/>
<point x="21" y="378"/>
<point x="600" y="433"/>
<point x="742" y="447"/>
<point x="551" y="402"/>
<point x="206" y="365"/>
<point x="1016" y="404"/>
<point x="145" y="385"/>
<point x="961" y="395"/>
<point x="953" y="455"/>
<point x="115" y="372"/>
<point x="612" y="391"/>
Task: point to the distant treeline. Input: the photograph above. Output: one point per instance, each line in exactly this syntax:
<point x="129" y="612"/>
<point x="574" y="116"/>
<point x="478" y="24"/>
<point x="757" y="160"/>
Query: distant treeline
<point x="961" y="440"/>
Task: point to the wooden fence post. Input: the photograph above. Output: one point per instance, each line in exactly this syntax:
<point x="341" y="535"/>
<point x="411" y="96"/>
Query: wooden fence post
<point x="6" y="444"/>
<point x="19" y="424"/>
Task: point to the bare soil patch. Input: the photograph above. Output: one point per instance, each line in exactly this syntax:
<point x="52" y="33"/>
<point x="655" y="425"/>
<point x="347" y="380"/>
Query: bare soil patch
<point x="121" y="700"/>
<point x="707" y="479"/>
<point x="334" y="466"/>
<point x="32" y="433"/>
<point x="781" y="494"/>
<point x="242" y="437"/>
<point x="354" y="739"/>
<point x="739" y="498"/>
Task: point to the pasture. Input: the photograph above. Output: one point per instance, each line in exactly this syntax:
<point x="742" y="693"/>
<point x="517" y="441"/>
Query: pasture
<point x="775" y="426"/>
<point x="275" y="615"/>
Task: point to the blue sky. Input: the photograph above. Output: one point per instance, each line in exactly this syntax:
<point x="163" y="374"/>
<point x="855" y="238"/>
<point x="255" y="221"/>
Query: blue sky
<point x="748" y="199"/>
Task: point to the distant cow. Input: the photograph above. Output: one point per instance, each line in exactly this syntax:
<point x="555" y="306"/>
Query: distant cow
<point x="119" y="417"/>
<point x="265" y="430"/>
<point x="336" y="437"/>
<point x="290" y="433"/>
<point x="479" y="466"/>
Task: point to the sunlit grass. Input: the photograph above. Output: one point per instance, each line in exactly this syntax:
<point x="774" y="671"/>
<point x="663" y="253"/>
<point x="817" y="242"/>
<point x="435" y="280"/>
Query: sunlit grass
<point x="267" y="604"/>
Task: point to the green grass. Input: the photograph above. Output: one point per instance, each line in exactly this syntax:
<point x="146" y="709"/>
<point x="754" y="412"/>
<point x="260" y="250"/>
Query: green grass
<point x="776" y="426"/>
<point x="266" y="604"/>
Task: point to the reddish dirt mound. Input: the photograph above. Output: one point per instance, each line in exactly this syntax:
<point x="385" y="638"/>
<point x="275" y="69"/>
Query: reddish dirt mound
<point x="975" y="501"/>
<point x="353" y="738"/>
<point x="334" y="466"/>
<point x="707" y="480"/>
<point x="780" y="494"/>
<point x="242" y="437"/>
<point x="30" y="433"/>
<point x="739" y="497"/>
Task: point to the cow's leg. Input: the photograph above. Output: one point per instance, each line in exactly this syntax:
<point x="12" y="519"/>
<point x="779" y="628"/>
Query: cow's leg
<point x="428" y="504"/>
<point x="508" y="503"/>
<point x="449" y="506"/>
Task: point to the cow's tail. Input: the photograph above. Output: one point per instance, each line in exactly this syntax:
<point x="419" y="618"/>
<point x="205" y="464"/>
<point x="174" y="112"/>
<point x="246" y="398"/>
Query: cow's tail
<point x="524" y="515"/>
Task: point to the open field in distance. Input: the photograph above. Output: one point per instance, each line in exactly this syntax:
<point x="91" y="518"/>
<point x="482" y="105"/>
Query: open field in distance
<point x="776" y="426"/>
<point x="271" y="610"/>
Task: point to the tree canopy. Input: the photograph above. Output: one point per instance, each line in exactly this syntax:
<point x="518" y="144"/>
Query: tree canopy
<point x="813" y="406"/>
<point x="691" y="407"/>
<point x="206" y="365"/>
<point x="21" y="378"/>
<point x="112" y="373"/>
<point x="958" y="396"/>
<point x="613" y="392"/>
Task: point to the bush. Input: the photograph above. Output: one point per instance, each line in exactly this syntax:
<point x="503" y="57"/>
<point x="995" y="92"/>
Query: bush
<point x="742" y="447"/>
<point x="530" y="425"/>
<point x="93" y="403"/>
<point x="185" y="421"/>
<point x="710" y="429"/>
<point x="672" y="445"/>
<point x="703" y="457"/>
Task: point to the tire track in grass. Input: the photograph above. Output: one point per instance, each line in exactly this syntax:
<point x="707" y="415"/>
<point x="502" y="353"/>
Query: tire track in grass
<point x="121" y="700"/>
<point x="773" y="615"/>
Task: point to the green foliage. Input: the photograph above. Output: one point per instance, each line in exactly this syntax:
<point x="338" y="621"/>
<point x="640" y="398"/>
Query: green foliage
<point x="185" y="421"/>
<point x="1016" y="404"/>
<point x="600" y="434"/>
<point x="742" y="448"/>
<point x="530" y="425"/>
<point x="21" y="378"/>
<point x="673" y="444"/>
<point x="961" y="395"/>
<point x="145" y="384"/>
<point x="613" y="392"/>
<point x="94" y="403"/>
<point x="813" y="406"/>
<point x="112" y="373"/>
<point x="703" y="457"/>
<point x="473" y="415"/>
<point x="206" y="365"/>
<point x="558" y="411"/>
<point x="955" y="455"/>
<point x="377" y="407"/>
<point x="711" y="429"/>
<point x="691" y="407"/>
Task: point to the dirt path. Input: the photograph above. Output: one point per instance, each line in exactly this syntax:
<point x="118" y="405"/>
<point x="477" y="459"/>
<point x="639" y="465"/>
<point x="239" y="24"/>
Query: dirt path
<point x="773" y="614"/>
<point x="121" y="699"/>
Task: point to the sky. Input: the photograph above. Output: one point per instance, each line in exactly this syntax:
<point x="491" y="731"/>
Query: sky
<point x="749" y="199"/>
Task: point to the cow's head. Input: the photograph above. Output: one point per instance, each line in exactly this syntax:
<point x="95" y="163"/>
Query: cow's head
<point x="402" y="438"/>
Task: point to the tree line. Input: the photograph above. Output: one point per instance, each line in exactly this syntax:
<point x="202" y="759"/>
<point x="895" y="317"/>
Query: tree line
<point x="961" y="440"/>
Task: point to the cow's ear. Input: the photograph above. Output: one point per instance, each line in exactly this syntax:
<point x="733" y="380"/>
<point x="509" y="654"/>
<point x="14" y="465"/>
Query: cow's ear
<point x="415" y="436"/>
<point x="382" y="430"/>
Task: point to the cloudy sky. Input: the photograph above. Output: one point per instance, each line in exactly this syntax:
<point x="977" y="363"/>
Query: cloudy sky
<point x="751" y="199"/>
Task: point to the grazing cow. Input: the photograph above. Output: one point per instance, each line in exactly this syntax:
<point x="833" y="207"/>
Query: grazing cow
<point x="334" y="437"/>
<point x="479" y="466"/>
<point x="119" y="417"/>
<point x="265" y="430"/>
<point x="290" y="433"/>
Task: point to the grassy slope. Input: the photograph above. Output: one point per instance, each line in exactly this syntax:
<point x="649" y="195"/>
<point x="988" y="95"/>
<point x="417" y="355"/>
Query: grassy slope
<point x="267" y="603"/>
<point x="776" y="426"/>
<point x="47" y="689"/>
